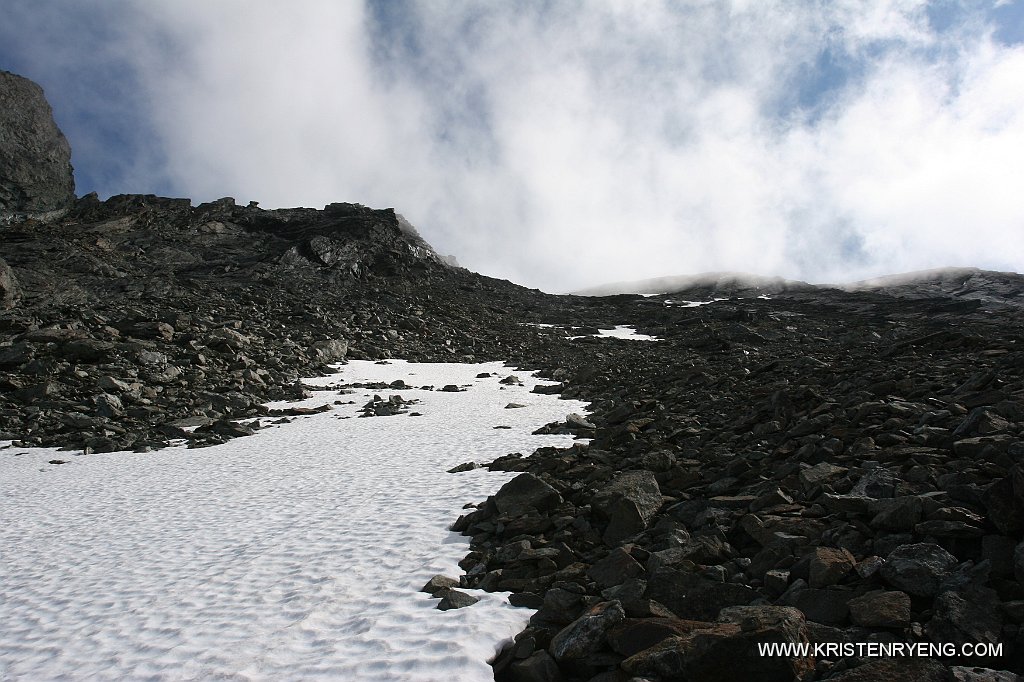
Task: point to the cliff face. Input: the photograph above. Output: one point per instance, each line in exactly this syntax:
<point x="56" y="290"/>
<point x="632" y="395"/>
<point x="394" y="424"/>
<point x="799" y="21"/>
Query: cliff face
<point x="36" y="178"/>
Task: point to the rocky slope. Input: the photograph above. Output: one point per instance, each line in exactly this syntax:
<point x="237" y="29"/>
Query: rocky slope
<point x="829" y="467"/>
<point x="132" y="318"/>
<point x="824" y="466"/>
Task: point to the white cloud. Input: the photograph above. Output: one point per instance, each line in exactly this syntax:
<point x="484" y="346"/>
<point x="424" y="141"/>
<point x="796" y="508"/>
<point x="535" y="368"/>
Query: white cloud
<point x="566" y="144"/>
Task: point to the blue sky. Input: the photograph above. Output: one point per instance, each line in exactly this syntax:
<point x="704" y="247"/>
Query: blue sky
<point x="563" y="144"/>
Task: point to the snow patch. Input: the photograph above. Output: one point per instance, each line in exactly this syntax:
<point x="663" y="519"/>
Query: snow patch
<point x="295" y="553"/>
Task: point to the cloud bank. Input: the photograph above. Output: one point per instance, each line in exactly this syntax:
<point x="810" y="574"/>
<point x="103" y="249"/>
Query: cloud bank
<point x="565" y="144"/>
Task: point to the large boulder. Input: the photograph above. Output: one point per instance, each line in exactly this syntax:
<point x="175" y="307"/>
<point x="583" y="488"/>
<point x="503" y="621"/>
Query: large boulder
<point x="524" y="493"/>
<point x="331" y="350"/>
<point x="628" y="503"/>
<point x="586" y="634"/>
<point x="36" y="178"/>
<point x="732" y="649"/>
<point x="918" y="569"/>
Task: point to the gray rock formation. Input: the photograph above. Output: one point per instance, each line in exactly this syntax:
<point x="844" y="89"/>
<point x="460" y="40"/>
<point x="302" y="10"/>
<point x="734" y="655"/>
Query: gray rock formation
<point x="36" y="178"/>
<point x="10" y="291"/>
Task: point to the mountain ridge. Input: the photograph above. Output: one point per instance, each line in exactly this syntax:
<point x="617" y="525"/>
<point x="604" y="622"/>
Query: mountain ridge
<point x="987" y="286"/>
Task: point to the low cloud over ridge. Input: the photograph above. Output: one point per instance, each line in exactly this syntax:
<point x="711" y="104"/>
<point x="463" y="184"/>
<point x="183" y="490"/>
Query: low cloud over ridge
<point x="566" y="144"/>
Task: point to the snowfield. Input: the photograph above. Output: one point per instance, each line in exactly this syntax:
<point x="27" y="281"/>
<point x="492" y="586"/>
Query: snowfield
<point x="295" y="553"/>
<point x="626" y="332"/>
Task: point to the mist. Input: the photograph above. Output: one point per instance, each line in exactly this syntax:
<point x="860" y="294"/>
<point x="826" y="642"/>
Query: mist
<point x="562" y="145"/>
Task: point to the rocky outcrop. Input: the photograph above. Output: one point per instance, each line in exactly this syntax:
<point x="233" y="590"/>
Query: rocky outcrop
<point x="10" y="291"/>
<point x="36" y="178"/>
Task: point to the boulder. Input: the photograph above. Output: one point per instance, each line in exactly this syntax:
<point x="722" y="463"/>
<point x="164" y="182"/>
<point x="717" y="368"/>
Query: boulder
<point x="828" y="566"/>
<point x="454" y="599"/>
<point x="586" y="634"/>
<point x="970" y="617"/>
<point x="628" y="503"/>
<point x="729" y="650"/>
<point x="880" y="608"/>
<point x="226" y="339"/>
<point x="820" y="473"/>
<point x="439" y="583"/>
<point x="538" y="667"/>
<point x="526" y="492"/>
<point x="637" y="634"/>
<point x="87" y="350"/>
<point x="918" y="569"/>
<point x="615" y="569"/>
<point x="1004" y="501"/>
<point x="331" y="350"/>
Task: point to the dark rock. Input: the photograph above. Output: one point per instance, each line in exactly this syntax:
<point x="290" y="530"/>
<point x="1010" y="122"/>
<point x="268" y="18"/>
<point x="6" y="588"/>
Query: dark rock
<point x="628" y="503"/>
<point x="526" y="492"/>
<point x="880" y="608"/>
<point x="820" y="473"/>
<point x="539" y="667"/>
<point x="563" y="604"/>
<point x="109" y="406"/>
<point x="729" y="650"/>
<point x="970" y="617"/>
<point x="900" y="514"/>
<point x="1004" y="500"/>
<point x="897" y="670"/>
<point x="615" y="569"/>
<point x="693" y="597"/>
<point x="454" y="599"/>
<point x="88" y="350"/>
<point x="586" y="634"/>
<point x="527" y="600"/>
<point x="43" y="391"/>
<point x="438" y="584"/>
<point x="827" y="606"/>
<point x="829" y="565"/>
<point x="637" y="634"/>
<point x="16" y="354"/>
<point x="226" y="340"/>
<point x="578" y="421"/>
<point x="467" y="466"/>
<point x="998" y="550"/>
<point x="877" y="484"/>
<point x="918" y="569"/>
